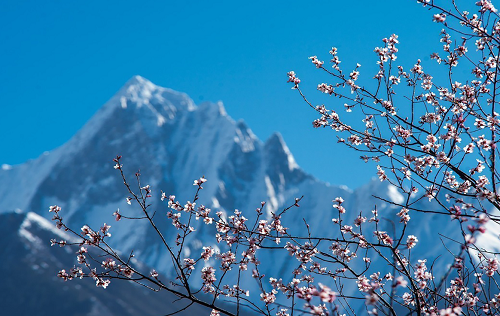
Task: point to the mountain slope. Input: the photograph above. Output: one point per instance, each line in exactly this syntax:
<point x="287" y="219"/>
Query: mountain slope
<point x="30" y="287"/>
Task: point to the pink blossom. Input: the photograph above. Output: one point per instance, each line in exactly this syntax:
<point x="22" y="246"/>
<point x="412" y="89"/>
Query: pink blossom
<point x="268" y="297"/>
<point x="316" y="62"/>
<point x="117" y="215"/>
<point x="411" y="241"/>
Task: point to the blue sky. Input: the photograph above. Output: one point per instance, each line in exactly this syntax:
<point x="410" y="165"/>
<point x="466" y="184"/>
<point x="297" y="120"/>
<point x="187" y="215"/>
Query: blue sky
<point x="61" y="60"/>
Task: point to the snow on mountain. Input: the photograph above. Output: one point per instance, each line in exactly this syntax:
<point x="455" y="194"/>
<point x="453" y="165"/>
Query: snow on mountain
<point x="173" y="141"/>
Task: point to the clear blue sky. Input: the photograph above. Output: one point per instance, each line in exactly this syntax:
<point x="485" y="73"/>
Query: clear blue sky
<point x="61" y="60"/>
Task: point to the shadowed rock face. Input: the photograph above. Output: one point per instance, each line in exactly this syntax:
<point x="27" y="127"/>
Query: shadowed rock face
<point x="30" y="287"/>
<point x="172" y="141"/>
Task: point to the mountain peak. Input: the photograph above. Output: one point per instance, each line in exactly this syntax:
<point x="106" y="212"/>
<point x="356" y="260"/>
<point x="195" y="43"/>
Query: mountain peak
<point x="136" y="88"/>
<point x="210" y="108"/>
<point x="275" y="139"/>
<point x="139" y="92"/>
<point x="138" y="81"/>
<point x="275" y="144"/>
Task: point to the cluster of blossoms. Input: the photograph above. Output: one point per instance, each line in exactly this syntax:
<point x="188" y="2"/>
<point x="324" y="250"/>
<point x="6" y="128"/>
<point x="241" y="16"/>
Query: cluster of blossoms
<point x="208" y="277"/>
<point x="324" y="293"/>
<point x="440" y="146"/>
<point x="90" y="238"/>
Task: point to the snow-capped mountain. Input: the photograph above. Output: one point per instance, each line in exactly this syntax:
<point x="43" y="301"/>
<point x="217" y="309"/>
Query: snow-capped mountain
<point x="172" y="141"/>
